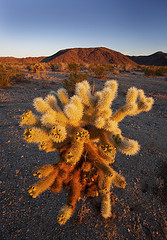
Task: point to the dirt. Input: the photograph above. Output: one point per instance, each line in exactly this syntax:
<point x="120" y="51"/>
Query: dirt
<point x="139" y="211"/>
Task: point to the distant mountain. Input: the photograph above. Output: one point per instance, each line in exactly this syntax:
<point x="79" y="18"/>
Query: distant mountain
<point x="99" y="55"/>
<point x="156" y="59"/>
<point x="27" y="60"/>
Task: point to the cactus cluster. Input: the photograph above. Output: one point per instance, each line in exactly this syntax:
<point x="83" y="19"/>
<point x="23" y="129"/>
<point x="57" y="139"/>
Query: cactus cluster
<point x="86" y="133"/>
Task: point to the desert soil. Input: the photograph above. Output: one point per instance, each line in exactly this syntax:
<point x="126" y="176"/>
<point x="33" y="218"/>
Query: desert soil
<point x="139" y="209"/>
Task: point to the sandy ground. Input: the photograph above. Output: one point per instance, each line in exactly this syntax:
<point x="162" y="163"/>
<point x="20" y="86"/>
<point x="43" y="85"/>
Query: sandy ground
<point x="139" y="209"/>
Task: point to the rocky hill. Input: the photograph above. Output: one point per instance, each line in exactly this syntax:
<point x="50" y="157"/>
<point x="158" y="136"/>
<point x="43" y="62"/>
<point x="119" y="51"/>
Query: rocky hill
<point x="100" y="55"/>
<point x="27" y="60"/>
<point x="156" y="59"/>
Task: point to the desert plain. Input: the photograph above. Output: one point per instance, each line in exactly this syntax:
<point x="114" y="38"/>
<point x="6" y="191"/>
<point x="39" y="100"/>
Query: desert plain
<point x="139" y="210"/>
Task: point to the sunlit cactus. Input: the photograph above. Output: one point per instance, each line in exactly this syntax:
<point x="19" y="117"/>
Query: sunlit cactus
<point x="86" y="133"/>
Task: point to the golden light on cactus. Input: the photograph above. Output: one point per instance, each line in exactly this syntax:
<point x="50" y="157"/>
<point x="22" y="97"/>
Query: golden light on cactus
<point x="86" y="133"/>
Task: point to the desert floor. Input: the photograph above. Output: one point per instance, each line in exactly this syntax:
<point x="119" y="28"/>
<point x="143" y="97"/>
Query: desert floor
<point x="139" y="209"/>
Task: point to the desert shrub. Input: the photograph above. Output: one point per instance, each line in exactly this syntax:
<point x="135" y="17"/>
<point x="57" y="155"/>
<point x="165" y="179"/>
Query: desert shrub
<point x="29" y="68"/>
<point x="17" y="77"/>
<point x="108" y="67"/>
<point x="58" y="67"/>
<point x="100" y="71"/>
<point x="154" y="70"/>
<point x="161" y="71"/>
<point x="10" y="75"/>
<point x="91" y="68"/>
<point x="74" y="67"/>
<point x="73" y="78"/>
<point x="44" y="75"/>
<point x="36" y="67"/>
<point x="115" y="71"/>
<point x="127" y="68"/>
<point x="86" y="135"/>
<point x="4" y="76"/>
<point x="63" y="67"/>
<point x="149" y="71"/>
<point x="82" y="66"/>
<point x="53" y="67"/>
<point x="140" y="68"/>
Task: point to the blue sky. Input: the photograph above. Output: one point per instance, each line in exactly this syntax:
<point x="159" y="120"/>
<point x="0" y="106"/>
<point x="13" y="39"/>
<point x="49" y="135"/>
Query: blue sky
<point x="43" y="27"/>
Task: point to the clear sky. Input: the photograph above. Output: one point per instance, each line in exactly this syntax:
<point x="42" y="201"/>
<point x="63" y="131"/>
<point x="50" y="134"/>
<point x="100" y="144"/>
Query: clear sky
<point x="43" y="27"/>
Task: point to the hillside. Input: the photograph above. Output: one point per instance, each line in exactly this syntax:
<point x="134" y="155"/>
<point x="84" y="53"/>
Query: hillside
<point x="156" y="59"/>
<point x="26" y="60"/>
<point x="99" y="55"/>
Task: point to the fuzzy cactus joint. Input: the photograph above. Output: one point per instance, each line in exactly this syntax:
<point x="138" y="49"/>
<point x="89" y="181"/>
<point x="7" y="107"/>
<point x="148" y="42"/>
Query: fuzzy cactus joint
<point x="86" y="134"/>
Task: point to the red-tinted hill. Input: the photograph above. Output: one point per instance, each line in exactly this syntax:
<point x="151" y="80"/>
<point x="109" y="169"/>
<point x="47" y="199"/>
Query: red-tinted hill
<point x="100" y="55"/>
<point x="156" y="59"/>
<point x="27" y="60"/>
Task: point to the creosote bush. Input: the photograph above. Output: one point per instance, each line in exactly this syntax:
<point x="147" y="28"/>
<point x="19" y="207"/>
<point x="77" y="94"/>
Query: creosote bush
<point x="37" y="67"/>
<point x="10" y="75"/>
<point x="86" y="133"/>
<point x="74" y="67"/>
<point x="59" y="67"/>
<point x="73" y="78"/>
<point x="154" y="70"/>
<point x="100" y="71"/>
<point x="4" y="76"/>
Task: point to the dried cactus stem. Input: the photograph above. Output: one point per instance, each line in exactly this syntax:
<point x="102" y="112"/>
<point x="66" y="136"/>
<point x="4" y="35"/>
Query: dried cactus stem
<point x="96" y="159"/>
<point x="75" y="189"/>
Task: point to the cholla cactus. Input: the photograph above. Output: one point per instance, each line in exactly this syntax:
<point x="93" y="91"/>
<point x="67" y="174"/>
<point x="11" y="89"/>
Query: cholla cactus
<point x="86" y="134"/>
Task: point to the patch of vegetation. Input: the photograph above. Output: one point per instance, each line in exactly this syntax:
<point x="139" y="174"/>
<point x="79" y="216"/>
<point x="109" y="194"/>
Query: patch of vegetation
<point x="126" y="68"/>
<point x="73" y="78"/>
<point x="154" y="71"/>
<point x="74" y="67"/>
<point x="115" y="71"/>
<point x="4" y="76"/>
<point x="100" y="71"/>
<point x="36" y="67"/>
<point x="59" y="67"/>
<point x="10" y="75"/>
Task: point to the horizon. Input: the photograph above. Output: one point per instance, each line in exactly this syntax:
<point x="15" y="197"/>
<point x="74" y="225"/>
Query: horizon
<point x="42" y="28"/>
<point x="74" y="48"/>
